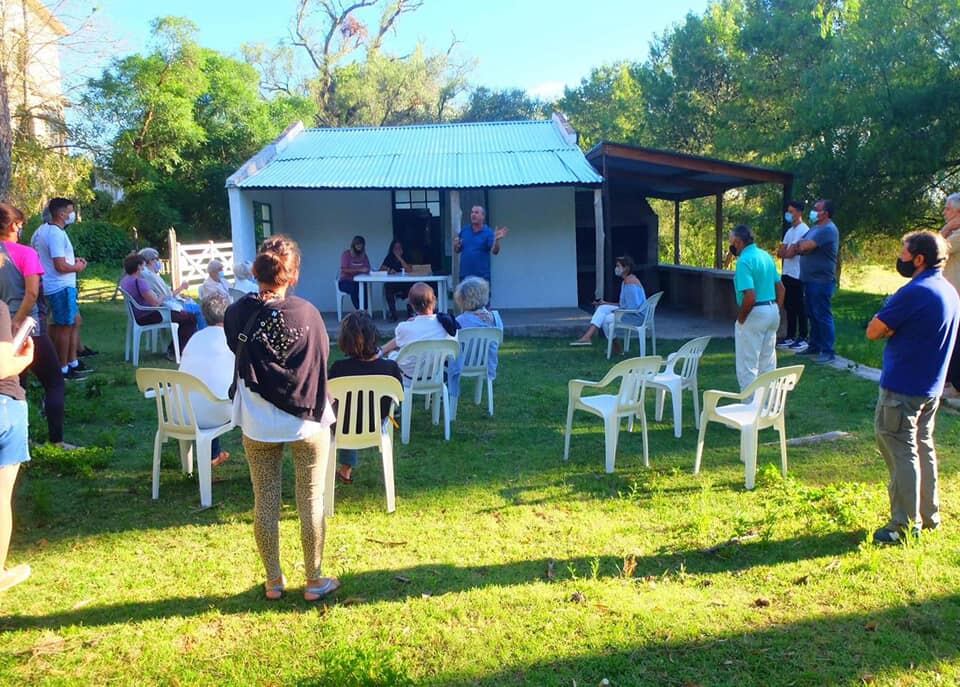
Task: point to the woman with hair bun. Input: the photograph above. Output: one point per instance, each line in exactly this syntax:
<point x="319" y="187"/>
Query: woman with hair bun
<point x="280" y="397"/>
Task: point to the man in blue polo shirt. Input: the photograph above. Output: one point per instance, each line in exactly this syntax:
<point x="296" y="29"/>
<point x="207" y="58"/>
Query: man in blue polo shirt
<point x="475" y="244"/>
<point x="920" y="322"/>
<point x="759" y="295"/>
<point x="818" y="272"/>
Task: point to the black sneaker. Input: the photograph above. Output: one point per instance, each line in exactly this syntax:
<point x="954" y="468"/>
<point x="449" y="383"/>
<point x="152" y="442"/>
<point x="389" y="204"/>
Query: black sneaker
<point x="74" y="374"/>
<point x="82" y="367"/>
<point x="86" y="352"/>
<point x="887" y="536"/>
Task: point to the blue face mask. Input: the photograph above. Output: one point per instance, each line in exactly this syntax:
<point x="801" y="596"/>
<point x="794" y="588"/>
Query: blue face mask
<point x="788" y="216"/>
<point x="814" y="215"/>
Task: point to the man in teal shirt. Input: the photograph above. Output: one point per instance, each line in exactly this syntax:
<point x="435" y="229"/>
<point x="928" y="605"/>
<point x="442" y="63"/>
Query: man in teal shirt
<point x="759" y="296"/>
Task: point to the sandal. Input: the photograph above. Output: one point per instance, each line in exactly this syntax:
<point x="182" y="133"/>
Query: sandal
<point x="13" y="576"/>
<point x="273" y="589"/>
<point x="221" y="458"/>
<point x="344" y="479"/>
<point x="320" y="587"/>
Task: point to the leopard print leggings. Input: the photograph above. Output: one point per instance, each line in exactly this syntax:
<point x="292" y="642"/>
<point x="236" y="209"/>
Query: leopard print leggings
<point x="266" y="467"/>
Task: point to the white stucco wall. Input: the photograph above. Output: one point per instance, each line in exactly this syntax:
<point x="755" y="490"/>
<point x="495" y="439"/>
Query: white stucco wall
<point x="537" y="265"/>
<point x="323" y="222"/>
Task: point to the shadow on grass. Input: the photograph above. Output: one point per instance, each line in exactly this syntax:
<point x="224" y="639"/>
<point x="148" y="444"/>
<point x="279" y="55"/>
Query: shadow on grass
<point x="854" y="648"/>
<point x="442" y="578"/>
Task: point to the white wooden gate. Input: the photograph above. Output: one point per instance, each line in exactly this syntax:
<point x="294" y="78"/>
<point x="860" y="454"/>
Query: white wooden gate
<point x="188" y="261"/>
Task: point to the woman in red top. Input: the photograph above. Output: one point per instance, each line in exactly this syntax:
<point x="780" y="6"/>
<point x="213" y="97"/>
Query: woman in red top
<point x="354" y="261"/>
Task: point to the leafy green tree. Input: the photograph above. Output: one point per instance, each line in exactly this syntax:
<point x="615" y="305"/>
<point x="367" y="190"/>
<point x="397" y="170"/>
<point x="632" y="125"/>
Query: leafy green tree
<point x="607" y="105"/>
<point x="174" y="123"/>
<point x="488" y="105"/>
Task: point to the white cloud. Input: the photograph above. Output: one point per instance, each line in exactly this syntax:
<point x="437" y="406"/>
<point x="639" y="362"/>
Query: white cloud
<point x="547" y="90"/>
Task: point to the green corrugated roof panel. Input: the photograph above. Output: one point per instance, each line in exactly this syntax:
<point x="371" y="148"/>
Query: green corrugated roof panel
<point x="428" y="156"/>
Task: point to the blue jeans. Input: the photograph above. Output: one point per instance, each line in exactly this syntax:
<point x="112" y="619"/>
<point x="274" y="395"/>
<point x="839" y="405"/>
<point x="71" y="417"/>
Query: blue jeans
<point x="353" y="288"/>
<point x="347" y="457"/>
<point x="817" y="297"/>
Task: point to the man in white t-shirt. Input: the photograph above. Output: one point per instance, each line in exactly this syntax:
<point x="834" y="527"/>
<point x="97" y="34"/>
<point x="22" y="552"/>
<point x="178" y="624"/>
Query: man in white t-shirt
<point x="60" y="269"/>
<point x="793" y="303"/>
<point x="424" y="326"/>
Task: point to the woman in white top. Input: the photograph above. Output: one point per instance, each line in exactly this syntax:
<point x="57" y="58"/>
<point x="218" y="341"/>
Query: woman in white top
<point x="243" y="277"/>
<point x="215" y="282"/>
<point x="280" y="397"/>
<point x="208" y="358"/>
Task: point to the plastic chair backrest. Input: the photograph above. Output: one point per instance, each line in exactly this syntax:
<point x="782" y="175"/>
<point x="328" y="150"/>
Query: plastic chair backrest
<point x="133" y="306"/>
<point x="634" y="373"/>
<point x="429" y="357"/>
<point x="475" y="343"/>
<point x="172" y="393"/>
<point x="774" y="386"/>
<point x="650" y="306"/>
<point x="358" y="407"/>
<point x="689" y="355"/>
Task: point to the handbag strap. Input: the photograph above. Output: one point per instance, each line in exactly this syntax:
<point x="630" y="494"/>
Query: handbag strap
<point x="242" y="338"/>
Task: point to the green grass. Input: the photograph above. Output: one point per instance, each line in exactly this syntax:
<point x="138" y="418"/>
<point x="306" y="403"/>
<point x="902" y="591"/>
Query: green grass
<point x="502" y="565"/>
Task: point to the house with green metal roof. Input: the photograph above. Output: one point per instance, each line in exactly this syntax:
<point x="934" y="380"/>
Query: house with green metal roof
<point x="417" y="184"/>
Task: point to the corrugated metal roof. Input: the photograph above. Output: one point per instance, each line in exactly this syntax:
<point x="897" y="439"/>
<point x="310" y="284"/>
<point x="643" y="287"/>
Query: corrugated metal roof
<point x="480" y="155"/>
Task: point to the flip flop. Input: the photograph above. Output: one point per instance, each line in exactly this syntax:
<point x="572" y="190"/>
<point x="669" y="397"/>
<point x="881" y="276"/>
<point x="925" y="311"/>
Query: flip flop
<point x="221" y="458"/>
<point x="319" y="588"/>
<point x="14" y="576"/>
<point x="273" y="589"/>
<point x="581" y="343"/>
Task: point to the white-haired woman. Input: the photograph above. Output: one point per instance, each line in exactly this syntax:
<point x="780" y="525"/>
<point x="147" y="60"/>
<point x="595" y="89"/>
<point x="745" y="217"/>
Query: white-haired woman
<point x="471" y="297"/>
<point x="172" y="298"/>
<point x="208" y="358"/>
<point x="243" y="277"/>
<point x="215" y="283"/>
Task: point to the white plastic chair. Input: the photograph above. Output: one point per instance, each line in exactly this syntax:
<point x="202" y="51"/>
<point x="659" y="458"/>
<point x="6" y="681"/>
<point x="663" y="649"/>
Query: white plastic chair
<point x="135" y="329"/>
<point x="340" y="296"/>
<point x="626" y="403"/>
<point x="688" y="356"/>
<point x="649" y="311"/>
<point x="475" y="346"/>
<point x="363" y="428"/>
<point x="427" y="379"/>
<point x="762" y="405"/>
<point x="176" y="420"/>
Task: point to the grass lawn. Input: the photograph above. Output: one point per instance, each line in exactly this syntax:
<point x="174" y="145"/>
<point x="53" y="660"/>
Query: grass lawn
<point x="502" y="565"/>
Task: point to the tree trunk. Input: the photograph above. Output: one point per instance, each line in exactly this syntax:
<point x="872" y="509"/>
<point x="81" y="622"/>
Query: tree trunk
<point x="6" y="138"/>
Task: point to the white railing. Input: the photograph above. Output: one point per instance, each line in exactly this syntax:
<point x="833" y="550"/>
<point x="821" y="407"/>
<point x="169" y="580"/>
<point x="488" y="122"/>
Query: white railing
<point x="188" y="261"/>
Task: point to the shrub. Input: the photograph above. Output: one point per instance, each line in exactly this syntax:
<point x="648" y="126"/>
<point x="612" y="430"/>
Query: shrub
<point x="100" y="242"/>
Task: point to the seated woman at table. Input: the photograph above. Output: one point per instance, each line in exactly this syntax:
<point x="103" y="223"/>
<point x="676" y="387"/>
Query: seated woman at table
<point x="395" y="264"/>
<point x="358" y="341"/>
<point x="137" y="287"/>
<point x="471" y="296"/>
<point x="354" y="261"/>
<point x="632" y="297"/>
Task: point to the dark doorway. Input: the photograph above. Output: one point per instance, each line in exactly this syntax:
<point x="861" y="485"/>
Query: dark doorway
<point x="586" y="249"/>
<point x="417" y="224"/>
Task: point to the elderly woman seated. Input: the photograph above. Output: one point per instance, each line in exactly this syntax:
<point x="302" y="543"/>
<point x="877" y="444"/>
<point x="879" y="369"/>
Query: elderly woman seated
<point x="136" y="287"/>
<point x="215" y="283"/>
<point x="471" y="296"/>
<point x="208" y="358"/>
<point x="172" y="298"/>
<point x="243" y="277"/>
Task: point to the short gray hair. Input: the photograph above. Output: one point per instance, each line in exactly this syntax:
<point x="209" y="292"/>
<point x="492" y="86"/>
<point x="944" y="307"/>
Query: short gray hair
<point x="953" y="200"/>
<point x="472" y="294"/>
<point x="214" y="263"/>
<point x="743" y="232"/>
<point x="243" y="270"/>
<point x="213" y="307"/>
<point x="149" y="254"/>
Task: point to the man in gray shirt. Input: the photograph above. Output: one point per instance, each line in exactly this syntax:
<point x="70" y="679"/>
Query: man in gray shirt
<point x="818" y="272"/>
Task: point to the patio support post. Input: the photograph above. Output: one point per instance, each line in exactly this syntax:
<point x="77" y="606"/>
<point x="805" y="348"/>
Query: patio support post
<point x="455" y="219"/>
<point x="676" y="232"/>
<point x="718" y="238"/>
<point x="241" y="226"/>
<point x="600" y="240"/>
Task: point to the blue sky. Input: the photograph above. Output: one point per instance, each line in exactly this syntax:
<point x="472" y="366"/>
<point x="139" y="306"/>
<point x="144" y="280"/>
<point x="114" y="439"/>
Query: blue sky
<point x="537" y="45"/>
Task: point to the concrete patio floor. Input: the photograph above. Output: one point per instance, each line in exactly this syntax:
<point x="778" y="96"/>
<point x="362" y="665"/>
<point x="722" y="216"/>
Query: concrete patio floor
<point x="571" y="322"/>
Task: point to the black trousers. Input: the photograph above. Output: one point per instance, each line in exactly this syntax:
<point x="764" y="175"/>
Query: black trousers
<point x="793" y="304"/>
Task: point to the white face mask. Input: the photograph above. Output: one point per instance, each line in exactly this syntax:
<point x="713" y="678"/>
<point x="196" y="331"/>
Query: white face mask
<point x="618" y="271"/>
<point x="71" y="218"/>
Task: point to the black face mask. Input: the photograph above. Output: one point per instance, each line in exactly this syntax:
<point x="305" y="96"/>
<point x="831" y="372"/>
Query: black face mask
<point x="733" y="250"/>
<point x="905" y="268"/>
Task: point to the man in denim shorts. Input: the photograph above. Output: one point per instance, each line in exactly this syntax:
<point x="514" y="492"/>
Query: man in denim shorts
<point x="60" y="269"/>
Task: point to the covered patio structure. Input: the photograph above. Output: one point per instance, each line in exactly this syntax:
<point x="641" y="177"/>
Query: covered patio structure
<point x="631" y="175"/>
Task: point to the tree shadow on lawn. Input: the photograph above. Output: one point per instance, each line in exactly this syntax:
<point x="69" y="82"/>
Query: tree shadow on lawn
<point x="838" y="649"/>
<point x="400" y="584"/>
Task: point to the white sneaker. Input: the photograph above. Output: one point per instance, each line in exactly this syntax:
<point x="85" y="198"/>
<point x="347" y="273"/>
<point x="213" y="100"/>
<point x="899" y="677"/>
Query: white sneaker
<point x="800" y="346"/>
<point x="786" y="343"/>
